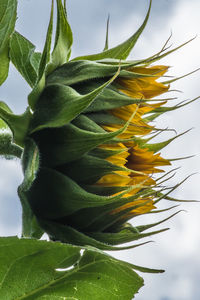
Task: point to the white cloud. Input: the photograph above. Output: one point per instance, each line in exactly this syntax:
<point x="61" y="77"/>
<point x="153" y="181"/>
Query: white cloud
<point x="10" y="213"/>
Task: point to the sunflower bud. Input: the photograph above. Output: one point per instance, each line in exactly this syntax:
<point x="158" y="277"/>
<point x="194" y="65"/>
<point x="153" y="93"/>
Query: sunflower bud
<point x="88" y="164"/>
<point x="95" y="168"/>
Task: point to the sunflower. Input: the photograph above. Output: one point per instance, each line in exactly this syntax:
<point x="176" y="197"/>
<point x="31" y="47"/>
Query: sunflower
<point x="96" y="171"/>
<point x="88" y="163"/>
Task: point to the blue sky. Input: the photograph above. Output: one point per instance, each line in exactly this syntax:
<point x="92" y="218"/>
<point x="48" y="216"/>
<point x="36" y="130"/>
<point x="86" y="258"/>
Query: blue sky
<point x="177" y="250"/>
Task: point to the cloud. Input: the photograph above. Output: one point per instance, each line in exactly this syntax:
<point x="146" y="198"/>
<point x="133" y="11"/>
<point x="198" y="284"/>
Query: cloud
<point x="10" y="213"/>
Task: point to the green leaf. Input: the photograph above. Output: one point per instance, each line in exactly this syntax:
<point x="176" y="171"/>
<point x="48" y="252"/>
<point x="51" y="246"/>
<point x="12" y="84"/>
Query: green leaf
<point x="4" y="64"/>
<point x="24" y="58"/>
<point x="63" y="39"/>
<point x="123" y="50"/>
<point x="8" y="9"/>
<point x="142" y="269"/>
<point x="45" y="58"/>
<point x="7" y="148"/>
<point x="17" y="123"/>
<point x="8" y="12"/>
<point x="49" y="270"/>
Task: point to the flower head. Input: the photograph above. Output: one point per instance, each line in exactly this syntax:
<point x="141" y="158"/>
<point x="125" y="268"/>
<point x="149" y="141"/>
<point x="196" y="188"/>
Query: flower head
<point x="89" y="166"/>
<point x="96" y="171"/>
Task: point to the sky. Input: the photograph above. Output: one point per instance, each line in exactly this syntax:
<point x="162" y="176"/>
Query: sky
<point x="177" y="250"/>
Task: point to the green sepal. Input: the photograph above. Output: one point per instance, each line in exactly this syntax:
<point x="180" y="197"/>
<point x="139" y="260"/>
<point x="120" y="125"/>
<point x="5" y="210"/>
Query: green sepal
<point x="75" y="72"/>
<point x="142" y="228"/>
<point x="160" y="110"/>
<point x="53" y="195"/>
<point x="114" y="61"/>
<point x="158" y="146"/>
<point x="152" y="117"/>
<point x="112" y="222"/>
<point x="103" y="190"/>
<point x="68" y="143"/>
<point x="161" y="195"/>
<point x="24" y="58"/>
<point x="8" y="13"/>
<point x="107" y="29"/>
<point x="156" y="211"/>
<point x="30" y="165"/>
<point x="110" y="98"/>
<point x="63" y="39"/>
<point x="98" y="219"/>
<point x="122" y="237"/>
<point x="17" y="123"/>
<point x="180" y="77"/>
<point x="163" y="53"/>
<point x="45" y="58"/>
<point x="123" y="50"/>
<point x="88" y="169"/>
<point x="175" y="199"/>
<point x="105" y="153"/>
<point x="67" y="234"/>
<point x="52" y="108"/>
<point x="108" y="221"/>
<point x="85" y="123"/>
<point x="104" y="118"/>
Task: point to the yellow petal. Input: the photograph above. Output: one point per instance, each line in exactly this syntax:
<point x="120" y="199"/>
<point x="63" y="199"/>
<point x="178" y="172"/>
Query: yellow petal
<point x="145" y="161"/>
<point x="114" y="180"/>
<point x="144" y="87"/>
<point x="148" y="206"/>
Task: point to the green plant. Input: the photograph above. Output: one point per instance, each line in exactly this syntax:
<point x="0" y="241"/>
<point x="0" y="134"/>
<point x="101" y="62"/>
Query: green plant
<point x="89" y="166"/>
